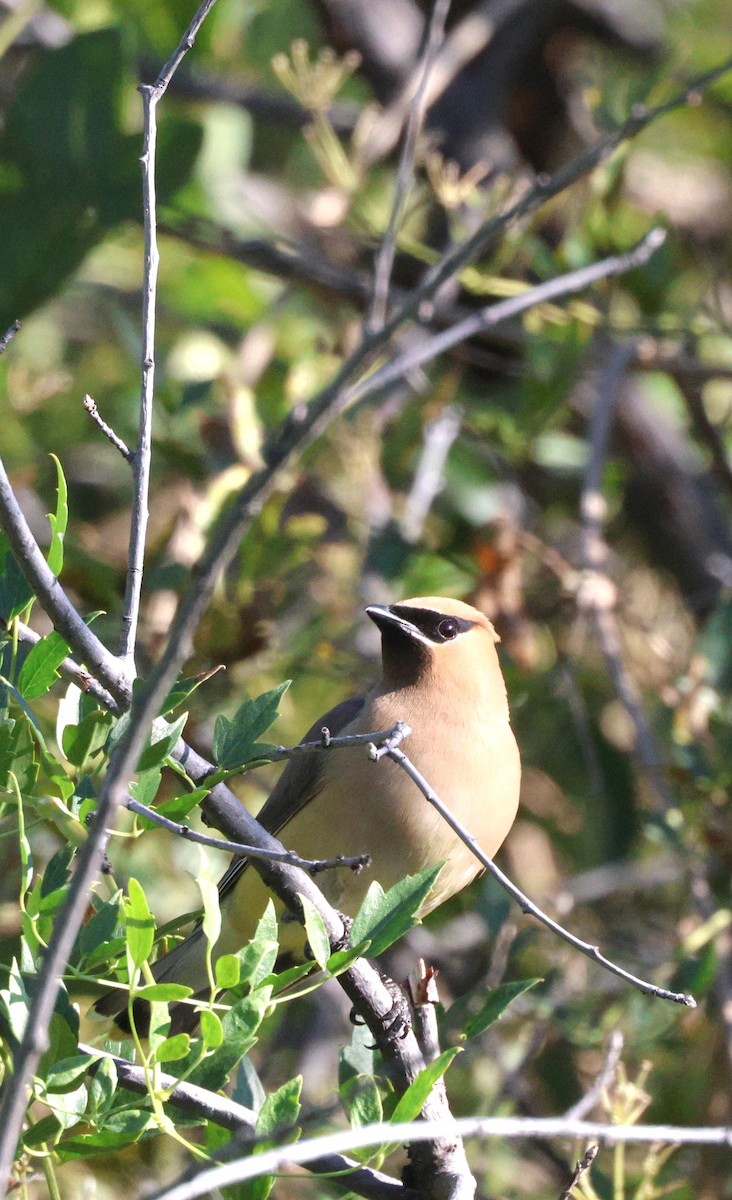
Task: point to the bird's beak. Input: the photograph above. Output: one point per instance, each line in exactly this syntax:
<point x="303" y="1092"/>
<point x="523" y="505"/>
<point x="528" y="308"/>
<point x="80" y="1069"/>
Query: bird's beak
<point x="386" y="619"/>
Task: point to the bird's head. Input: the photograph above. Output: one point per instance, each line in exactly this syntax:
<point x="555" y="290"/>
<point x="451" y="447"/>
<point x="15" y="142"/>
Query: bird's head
<point x="440" y="642"/>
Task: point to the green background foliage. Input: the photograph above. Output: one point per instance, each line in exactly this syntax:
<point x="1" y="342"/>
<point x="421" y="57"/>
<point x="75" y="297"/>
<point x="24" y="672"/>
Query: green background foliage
<point x="238" y="346"/>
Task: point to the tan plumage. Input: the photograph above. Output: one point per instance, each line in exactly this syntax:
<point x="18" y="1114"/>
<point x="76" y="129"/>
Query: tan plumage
<point x="442" y="676"/>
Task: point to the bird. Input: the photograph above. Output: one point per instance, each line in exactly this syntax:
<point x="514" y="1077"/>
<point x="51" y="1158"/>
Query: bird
<point x="441" y="675"/>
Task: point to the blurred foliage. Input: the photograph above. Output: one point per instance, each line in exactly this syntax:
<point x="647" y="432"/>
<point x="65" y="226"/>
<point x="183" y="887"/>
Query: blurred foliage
<point x="239" y="344"/>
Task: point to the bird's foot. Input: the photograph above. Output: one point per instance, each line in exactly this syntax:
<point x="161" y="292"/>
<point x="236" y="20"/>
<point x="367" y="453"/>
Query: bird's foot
<point x="344" y="942"/>
<point x="397" y="1022"/>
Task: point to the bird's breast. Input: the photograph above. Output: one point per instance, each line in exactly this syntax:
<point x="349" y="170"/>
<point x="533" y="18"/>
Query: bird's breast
<point x="469" y="759"/>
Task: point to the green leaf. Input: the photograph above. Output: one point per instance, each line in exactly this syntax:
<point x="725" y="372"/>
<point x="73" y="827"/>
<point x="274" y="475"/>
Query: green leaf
<point x="164" y="993"/>
<point x="64" y="1076"/>
<point x="184" y="688"/>
<point x="177" y="808"/>
<point x="15" y="593"/>
<point x="226" y="971"/>
<point x="234" y="742"/>
<point x="102" y="1087"/>
<point x="45" y="1130"/>
<point x="257" y="959"/>
<point x="384" y="917"/>
<point x="17" y="755"/>
<point x="342" y="959"/>
<point x="318" y="939"/>
<point x="211" y="920"/>
<point x="248" y="1088"/>
<point x="144" y="789"/>
<point x="495" y="1004"/>
<point x="99" y="929"/>
<point x="140" y="924"/>
<point x="715" y="643"/>
<point x="240" y="1025"/>
<point x="68" y="1106"/>
<point x="73" y="168"/>
<point x="162" y="740"/>
<point x="277" y="1120"/>
<point x="412" y="1102"/>
<point x="39" y="671"/>
<point x="364" y="1102"/>
<point x="80" y="742"/>
<point x="174" y="1048"/>
<point x="121" y="1129"/>
<point x="212" y="1030"/>
<point x="58" y="521"/>
<point x="358" y="1058"/>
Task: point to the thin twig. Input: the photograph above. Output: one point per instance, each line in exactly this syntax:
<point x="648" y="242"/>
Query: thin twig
<point x="312" y="866"/>
<point x="597" y="597"/>
<point x="707" y="432"/>
<point x="405" y="170"/>
<point x="439" y="437"/>
<point x="547" y="187"/>
<point x="91" y="407"/>
<point x="122" y="764"/>
<point x="527" y="906"/>
<point x="583" y="1165"/>
<point x="603" y="1081"/>
<point x="140" y="460"/>
<point x="8" y="336"/>
<point x="270" y="1162"/>
<point x="53" y="599"/>
<point x="504" y="310"/>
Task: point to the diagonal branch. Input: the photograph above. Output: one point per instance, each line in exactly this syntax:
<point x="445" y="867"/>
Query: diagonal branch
<point x="526" y="905"/>
<point x="151" y="96"/>
<point x="405" y="170"/>
<point x="54" y="601"/>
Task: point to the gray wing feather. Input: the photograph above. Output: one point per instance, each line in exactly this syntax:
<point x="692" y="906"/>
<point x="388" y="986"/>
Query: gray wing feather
<point x="297" y="784"/>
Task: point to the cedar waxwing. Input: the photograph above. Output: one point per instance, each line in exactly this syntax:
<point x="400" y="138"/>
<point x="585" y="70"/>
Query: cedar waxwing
<point x="442" y="676"/>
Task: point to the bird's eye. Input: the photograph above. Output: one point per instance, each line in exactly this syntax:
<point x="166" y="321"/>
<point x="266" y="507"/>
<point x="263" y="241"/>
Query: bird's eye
<point x="447" y="629"/>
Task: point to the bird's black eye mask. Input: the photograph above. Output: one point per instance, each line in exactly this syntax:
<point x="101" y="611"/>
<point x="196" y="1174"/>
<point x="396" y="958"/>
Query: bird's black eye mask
<point x="437" y="627"/>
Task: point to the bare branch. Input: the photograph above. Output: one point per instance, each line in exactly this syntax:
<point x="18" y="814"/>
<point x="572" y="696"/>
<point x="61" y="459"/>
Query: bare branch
<point x="527" y="906"/>
<point x="405" y="171"/>
<point x="504" y="310"/>
<point x="115" y="439"/>
<point x="439" y="436"/>
<point x="54" y="601"/>
<point x="271" y="1161"/>
<point x="597" y="598"/>
<point x="140" y="460"/>
<point x="583" y="1165"/>
<point x="313" y="866"/>
<point x="604" y="1079"/>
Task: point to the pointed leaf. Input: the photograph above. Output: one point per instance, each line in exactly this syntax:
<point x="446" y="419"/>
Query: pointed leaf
<point x="162" y="740"/>
<point x="318" y="939"/>
<point x="412" y="1102"/>
<point x="495" y="1005"/>
<point x="384" y="917"/>
<point x="140" y="924"/>
<point x="39" y="671"/>
<point x="58" y="521"/>
<point x="234" y="741"/>
<point x="15" y="593"/>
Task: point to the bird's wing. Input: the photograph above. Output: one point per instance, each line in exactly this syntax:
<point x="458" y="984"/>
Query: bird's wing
<point x="298" y="783"/>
